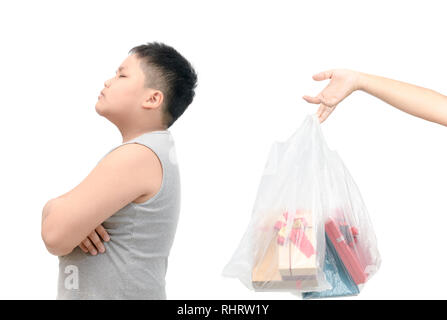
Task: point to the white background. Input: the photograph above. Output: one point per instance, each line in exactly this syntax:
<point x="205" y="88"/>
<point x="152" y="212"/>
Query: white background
<point x="255" y="60"/>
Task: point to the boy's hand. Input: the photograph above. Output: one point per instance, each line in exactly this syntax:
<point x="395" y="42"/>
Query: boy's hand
<point x="343" y="83"/>
<point x="93" y="243"/>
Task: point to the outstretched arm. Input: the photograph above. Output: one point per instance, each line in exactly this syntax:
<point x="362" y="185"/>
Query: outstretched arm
<point x="418" y="101"/>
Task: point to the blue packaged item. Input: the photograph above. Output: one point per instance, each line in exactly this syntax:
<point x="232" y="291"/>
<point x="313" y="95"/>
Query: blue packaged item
<point x="336" y="274"/>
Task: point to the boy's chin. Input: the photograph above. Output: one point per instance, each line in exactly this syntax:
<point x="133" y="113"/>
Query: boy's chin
<point x="105" y="112"/>
<point x="99" y="109"/>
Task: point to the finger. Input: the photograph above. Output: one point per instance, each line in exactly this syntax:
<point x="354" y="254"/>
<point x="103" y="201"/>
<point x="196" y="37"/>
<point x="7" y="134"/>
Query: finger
<point x="310" y="99"/>
<point x="322" y="75"/>
<point x="96" y="241"/>
<point x="320" y="110"/>
<point x="83" y="247"/>
<point x="102" y="232"/>
<point x="326" y="113"/>
<point x="323" y="116"/>
<point x="89" y="245"/>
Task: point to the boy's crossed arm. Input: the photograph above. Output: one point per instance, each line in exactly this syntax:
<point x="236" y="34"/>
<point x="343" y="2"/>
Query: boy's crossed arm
<point x="92" y="242"/>
<point x="125" y="174"/>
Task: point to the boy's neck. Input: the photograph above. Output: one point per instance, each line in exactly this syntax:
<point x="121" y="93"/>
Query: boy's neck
<point x="129" y="135"/>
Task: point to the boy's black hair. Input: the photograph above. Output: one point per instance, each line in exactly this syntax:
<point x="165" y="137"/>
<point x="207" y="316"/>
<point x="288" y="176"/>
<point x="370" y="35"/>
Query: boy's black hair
<point x="168" y="71"/>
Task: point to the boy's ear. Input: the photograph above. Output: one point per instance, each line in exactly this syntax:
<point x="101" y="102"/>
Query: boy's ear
<point x="154" y="99"/>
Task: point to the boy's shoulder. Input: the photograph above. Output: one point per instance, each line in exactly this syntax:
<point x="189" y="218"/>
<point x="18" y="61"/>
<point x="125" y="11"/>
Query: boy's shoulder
<point x="138" y="157"/>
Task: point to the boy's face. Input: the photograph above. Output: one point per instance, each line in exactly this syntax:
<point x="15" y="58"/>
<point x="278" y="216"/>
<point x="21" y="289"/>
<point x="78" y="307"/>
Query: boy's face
<point x="123" y="95"/>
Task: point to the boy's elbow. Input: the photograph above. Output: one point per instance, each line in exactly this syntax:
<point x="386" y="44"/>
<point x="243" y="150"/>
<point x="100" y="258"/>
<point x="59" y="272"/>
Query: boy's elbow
<point x="54" y="243"/>
<point x="56" y="251"/>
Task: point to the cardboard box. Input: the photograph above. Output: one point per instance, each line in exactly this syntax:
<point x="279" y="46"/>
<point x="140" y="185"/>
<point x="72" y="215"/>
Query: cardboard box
<point x="296" y="245"/>
<point x="266" y="276"/>
<point x="289" y="262"/>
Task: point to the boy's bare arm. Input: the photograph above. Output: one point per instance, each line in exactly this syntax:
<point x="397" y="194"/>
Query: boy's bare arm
<point x="122" y="176"/>
<point x="46" y="208"/>
<point x="91" y="244"/>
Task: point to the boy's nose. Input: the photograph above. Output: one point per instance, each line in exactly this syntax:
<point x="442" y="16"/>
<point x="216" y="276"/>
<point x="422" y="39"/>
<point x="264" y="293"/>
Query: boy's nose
<point x="106" y="83"/>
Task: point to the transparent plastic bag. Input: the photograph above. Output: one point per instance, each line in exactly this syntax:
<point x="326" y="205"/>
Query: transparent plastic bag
<point x="309" y="232"/>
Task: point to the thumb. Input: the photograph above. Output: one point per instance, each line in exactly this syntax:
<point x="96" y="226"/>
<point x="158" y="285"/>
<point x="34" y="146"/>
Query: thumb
<point x="323" y="75"/>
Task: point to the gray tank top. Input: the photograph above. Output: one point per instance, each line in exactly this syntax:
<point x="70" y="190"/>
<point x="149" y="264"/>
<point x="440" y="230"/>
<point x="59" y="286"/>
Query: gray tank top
<point x="135" y="262"/>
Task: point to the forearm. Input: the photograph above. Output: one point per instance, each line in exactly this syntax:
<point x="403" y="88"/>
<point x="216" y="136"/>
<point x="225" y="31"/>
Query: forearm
<point x="418" y="101"/>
